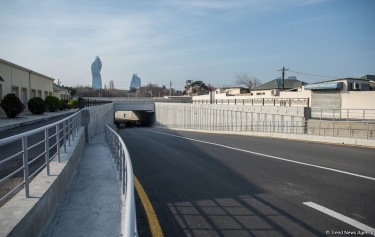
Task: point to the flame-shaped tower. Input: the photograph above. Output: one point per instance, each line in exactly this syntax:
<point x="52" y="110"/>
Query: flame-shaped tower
<point x="96" y="66"/>
<point x="135" y="83"/>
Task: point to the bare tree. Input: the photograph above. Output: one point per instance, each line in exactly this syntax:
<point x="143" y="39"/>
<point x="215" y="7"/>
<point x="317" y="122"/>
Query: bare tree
<point x="246" y="80"/>
<point x="111" y="85"/>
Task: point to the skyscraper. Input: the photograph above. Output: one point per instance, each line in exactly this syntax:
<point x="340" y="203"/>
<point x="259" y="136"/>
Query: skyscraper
<point x="96" y="66"/>
<point x="135" y="83"/>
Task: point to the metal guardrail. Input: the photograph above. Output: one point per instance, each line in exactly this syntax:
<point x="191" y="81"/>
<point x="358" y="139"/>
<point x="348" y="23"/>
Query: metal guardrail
<point x="350" y="129"/>
<point x="342" y="114"/>
<point x="123" y="163"/>
<point x="65" y="130"/>
<point x="259" y="101"/>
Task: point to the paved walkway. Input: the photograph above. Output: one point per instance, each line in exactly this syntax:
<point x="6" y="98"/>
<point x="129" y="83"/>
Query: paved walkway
<point x="92" y="204"/>
<point x="29" y="118"/>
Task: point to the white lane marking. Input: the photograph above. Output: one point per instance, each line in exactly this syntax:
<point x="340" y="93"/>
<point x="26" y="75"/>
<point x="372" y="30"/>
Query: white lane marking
<point x="269" y="156"/>
<point x="341" y="217"/>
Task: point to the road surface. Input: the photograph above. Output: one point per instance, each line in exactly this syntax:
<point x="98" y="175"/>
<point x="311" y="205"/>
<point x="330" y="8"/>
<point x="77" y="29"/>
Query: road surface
<point x="202" y="184"/>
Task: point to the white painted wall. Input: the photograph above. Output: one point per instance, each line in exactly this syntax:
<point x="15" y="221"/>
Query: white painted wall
<point x="358" y="99"/>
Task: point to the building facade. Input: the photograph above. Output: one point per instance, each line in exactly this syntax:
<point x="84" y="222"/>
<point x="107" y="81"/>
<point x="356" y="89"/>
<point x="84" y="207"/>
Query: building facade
<point x="23" y="82"/>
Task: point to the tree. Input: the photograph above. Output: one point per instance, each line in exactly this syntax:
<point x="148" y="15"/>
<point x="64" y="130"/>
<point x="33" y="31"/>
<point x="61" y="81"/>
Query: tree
<point x="198" y="87"/>
<point x="111" y="85"/>
<point x="246" y="80"/>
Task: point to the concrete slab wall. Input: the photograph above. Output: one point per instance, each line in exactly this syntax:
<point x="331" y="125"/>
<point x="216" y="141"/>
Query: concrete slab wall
<point x="23" y="216"/>
<point x="95" y="118"/>
<point x="194" y="115"/>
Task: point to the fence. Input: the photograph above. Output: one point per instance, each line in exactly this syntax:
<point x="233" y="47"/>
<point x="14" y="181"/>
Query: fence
<point x="93" y="102"/>
<point x="259" y="101"/>
<point x="343" y="114"/>
<point x="123" y="163"/>
<point x="256" y="126"/>
<point x="53" y="138"/>
<point x="350" y="129"/>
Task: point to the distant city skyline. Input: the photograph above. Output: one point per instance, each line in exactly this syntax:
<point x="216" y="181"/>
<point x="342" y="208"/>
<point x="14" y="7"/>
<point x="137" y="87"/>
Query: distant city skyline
<point x="175" y="40"/>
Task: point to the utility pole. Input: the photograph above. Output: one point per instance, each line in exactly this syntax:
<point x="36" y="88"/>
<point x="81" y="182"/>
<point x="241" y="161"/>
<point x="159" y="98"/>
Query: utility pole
<point x="170" y="89"/>
<point x="283" y="69"/>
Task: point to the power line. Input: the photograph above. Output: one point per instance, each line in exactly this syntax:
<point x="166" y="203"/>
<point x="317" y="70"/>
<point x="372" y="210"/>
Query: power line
<point x="311" y="74"/>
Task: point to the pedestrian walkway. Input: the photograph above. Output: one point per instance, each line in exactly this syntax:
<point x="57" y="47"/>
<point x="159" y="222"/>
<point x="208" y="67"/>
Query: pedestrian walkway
<point x="29" y="118"/>
<point x="92" y="204"/>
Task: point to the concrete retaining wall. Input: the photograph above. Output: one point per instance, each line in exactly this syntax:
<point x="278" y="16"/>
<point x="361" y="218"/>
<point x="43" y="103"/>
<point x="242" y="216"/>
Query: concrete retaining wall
<point x="179" y="115"/>
<point x="23" y="216"/>
<point x="95" y="118"/>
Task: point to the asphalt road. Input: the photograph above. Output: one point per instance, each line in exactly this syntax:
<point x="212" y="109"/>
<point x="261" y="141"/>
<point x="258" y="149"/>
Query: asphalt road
<point x="231" y="185"/>
<point x="15" y="147"/>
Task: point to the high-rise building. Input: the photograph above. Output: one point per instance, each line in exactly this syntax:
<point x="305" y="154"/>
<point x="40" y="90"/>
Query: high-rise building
<point x="96" y="66"/>
<point x="135" y="83"/>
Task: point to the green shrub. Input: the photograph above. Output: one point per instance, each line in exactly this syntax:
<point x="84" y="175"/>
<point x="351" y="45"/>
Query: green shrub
<point x="74" y="104"/>
<point x="36" y="105"/>
<point x="52" y="103"/>
<point x="12" y="105"/>
<point x="62" y="104"/>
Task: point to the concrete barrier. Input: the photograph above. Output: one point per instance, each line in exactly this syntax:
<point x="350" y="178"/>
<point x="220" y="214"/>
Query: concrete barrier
<point x="23" y="216"/>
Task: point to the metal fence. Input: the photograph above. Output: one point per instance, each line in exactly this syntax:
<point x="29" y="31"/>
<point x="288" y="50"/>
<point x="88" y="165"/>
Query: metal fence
<point x="47" y="144"/>
<point x="93" y="102"/>
<point x="259" y="101"/>
<point x="123" y="163"/>
<point x="350" y="129"/>
<point x="257" y="126"/>
<point x="342" y="114"/>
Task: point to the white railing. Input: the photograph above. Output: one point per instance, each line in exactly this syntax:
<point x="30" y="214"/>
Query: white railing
<point x="123" y="163"/>
<point x="342" y="114"/>
<point x="258" y="101"/>
<point x="56" y="136"/>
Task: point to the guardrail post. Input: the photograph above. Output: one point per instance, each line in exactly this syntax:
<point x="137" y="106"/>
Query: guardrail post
<point x="73" y="129"/>
<point x="274" y="102"/>
<point x="47" y="150"/>
<point x="58" y="142"/>
<point x="364" y="111"/>
<point x="367" y="131"/>
<point x="350" y="129"/>
<point x="64" y="134"/>
<point x="235" y="101"/>
<point x="263" y="101"/>
<point x="69" y="132"/>
<point x="25" y="165"/>
<point x="347" y="115"/>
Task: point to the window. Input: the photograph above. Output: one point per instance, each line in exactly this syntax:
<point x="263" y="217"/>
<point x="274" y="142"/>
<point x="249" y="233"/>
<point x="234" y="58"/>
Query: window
<point x="23" y="96"/>
<point x="50" y="93"/>
<point x="40" y="94"/>
<point x="33" y="93"/>
<point x="15" y="91"/>
<point x="45" y="94"/>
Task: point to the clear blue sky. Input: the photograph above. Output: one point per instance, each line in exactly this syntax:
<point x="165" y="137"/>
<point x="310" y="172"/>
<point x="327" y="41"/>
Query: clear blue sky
<point x="177" y="40"/>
